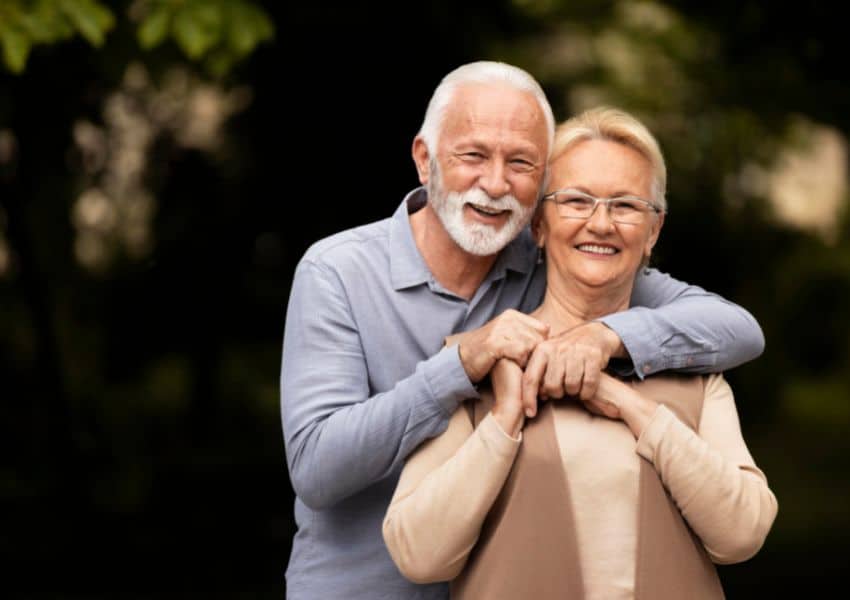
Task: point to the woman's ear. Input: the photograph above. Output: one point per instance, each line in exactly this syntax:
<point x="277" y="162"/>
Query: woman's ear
<point x="422" y="159"/>
<point x="654" y="232"/>
<point x="538" y="227"/>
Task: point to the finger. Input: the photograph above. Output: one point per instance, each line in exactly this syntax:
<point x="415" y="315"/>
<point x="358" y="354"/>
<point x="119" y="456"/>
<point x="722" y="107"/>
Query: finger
<point x="552" y="385"/>
<point x="590" y="381"/>
<point x="520" y="347"/>
<point x="522" y="333"/>
<point x="517" y="351"/>
<point x="533" y="324"/>
<point x="573" y="374"/>
<point x="593" y="408"/>
<point x="534" y="372"/>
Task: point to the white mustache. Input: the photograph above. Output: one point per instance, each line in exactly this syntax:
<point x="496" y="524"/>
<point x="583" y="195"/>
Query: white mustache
<point x="481" y="198"/>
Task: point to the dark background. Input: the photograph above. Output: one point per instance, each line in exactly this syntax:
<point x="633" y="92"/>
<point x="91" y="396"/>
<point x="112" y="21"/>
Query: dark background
<point x="140" y="442"/>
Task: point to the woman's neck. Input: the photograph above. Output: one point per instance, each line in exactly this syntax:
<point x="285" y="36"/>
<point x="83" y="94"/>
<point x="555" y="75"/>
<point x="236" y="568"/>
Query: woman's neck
<point x="567" y="305"/>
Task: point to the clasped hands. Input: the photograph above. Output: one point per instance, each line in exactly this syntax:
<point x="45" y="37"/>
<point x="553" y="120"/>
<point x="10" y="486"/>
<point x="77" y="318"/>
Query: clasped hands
<point x="538" y="365"/>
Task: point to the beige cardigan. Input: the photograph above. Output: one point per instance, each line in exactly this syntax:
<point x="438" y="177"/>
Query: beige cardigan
<point x="450" y="484"/>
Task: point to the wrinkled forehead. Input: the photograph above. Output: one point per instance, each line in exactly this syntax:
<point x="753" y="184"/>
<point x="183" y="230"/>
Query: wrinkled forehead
<point x="495" y="112"/>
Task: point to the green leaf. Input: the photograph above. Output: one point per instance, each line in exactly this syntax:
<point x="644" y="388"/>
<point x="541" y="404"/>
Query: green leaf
<point x="16" y="49"/>
<point x="248" y="25"/>
<point x="197" y="28"/>
<point x="45" y="24"/>
<point x="91" y="19"/>
<point x="154" y="28"/>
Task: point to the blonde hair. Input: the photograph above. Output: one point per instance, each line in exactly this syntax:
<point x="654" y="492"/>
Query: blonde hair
<point x="613" y="124"/>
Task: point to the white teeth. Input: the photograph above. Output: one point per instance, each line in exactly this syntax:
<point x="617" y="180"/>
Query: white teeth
<point x="597" y="249"/>
<point x="487" y="210"/>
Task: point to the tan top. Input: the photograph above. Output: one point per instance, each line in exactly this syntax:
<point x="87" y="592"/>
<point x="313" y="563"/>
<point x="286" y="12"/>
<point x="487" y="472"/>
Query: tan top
<point x="450" y="483"/>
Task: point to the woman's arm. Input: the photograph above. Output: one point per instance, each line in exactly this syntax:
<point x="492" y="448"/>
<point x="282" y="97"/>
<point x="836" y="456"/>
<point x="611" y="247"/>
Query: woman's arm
<point x="710" y="474"/>
<point x="446" y="490"/>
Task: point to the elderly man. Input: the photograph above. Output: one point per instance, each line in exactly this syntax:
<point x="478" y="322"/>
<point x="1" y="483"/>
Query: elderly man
<point x="366" y="375"/>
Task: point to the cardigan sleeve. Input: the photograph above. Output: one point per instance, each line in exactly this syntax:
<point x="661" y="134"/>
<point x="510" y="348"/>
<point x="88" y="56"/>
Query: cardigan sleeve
<point x="711" y="476"/>
<point x="445" y="492"/>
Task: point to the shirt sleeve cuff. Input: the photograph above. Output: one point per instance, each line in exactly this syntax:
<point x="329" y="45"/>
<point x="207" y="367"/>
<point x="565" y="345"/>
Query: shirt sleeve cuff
<point x="627" y="324"/>
<point x="654" y="432"/>
<point x="447" y="380"/>
<point x="495" y="438"/>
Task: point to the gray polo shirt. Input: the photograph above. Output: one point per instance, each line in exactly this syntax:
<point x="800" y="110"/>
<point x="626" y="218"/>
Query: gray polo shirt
<point x="365" y="379"/>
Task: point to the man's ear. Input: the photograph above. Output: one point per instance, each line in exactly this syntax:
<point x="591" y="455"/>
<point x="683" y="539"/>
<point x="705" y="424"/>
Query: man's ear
<point x="422" y="159"/>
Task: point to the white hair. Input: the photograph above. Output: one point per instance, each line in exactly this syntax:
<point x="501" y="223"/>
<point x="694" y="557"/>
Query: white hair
<point x="481" y="72"/>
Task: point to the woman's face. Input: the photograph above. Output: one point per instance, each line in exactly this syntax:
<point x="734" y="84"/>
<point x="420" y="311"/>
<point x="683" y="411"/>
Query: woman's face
<point x="598" y="252"/>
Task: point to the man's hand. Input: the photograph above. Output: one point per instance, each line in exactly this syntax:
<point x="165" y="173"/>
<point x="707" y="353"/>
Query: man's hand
<point x="512" y="335"/>
<point x="569" y="363"/>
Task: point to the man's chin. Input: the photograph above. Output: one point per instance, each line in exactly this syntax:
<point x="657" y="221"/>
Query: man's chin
<point x="483" y="243"/>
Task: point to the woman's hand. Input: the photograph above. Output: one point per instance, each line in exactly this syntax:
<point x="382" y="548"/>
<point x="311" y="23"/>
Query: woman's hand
<point x="616" y="400"/>
<point x="571" y="362"/>
<point x="508" y="409"/>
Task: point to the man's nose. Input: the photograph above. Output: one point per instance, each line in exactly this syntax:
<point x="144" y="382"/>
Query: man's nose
<point x="494" y="179"/>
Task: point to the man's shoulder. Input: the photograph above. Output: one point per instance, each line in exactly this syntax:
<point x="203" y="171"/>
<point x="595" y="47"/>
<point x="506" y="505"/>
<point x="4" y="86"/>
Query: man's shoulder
<point x="350" y="246"/>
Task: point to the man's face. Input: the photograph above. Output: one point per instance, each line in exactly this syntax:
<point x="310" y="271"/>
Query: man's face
<point x="490" y="160"/>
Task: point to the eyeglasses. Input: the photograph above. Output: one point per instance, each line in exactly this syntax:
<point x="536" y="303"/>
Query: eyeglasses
<point x="575" y="204"/>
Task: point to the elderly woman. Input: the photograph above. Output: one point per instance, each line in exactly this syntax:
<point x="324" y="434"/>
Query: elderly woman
<point x="633" y="495"/>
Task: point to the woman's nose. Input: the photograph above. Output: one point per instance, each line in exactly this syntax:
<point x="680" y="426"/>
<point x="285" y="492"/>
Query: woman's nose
<point x="600" y="219"/>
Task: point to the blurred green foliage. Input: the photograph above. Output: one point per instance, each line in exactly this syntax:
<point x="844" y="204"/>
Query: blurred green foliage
<point x="219" y="32"/>
<point x="24" y="24"/>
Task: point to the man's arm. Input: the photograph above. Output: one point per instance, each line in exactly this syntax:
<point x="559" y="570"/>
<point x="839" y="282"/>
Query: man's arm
<point x="673" y="325"/>
<point x="339" y="437"/>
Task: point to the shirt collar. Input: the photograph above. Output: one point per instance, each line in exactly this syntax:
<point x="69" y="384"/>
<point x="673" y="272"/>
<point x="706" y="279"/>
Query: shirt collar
<point x="408" y="268"/>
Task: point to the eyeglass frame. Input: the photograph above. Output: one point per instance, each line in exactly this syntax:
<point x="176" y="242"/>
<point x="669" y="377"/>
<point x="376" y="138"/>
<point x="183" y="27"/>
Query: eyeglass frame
<point x="650" y="207"/>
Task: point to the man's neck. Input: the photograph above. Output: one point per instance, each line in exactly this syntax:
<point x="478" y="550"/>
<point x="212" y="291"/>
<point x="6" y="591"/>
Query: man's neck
<point x="453" y="267"/>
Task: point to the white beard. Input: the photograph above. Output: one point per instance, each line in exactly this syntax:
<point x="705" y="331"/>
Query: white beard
<point x="476" y="238"/>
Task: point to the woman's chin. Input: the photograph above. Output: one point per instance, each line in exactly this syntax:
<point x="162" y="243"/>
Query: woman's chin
<point x="597" y="278"/>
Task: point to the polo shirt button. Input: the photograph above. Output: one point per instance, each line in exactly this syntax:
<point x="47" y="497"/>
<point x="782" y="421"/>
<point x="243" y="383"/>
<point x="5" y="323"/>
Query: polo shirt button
<point x="647" y="368"/>
<point x="690" y="360"/>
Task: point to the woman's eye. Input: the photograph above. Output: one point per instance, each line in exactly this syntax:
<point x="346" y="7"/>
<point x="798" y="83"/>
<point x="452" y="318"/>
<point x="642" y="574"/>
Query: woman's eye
<point x="577" y="201"/>
<point x="625" y="205"/>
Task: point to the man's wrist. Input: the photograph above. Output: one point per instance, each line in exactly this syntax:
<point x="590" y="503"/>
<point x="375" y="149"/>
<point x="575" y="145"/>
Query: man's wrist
<point x="612" y="341"/>
<point x="472" y="364"/>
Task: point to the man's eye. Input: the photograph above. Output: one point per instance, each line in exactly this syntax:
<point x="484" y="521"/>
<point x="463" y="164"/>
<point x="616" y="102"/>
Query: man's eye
<point x="473" y="155"/>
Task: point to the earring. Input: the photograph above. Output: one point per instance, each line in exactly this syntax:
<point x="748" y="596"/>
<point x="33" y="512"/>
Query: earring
<point x="539" y="255"/>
